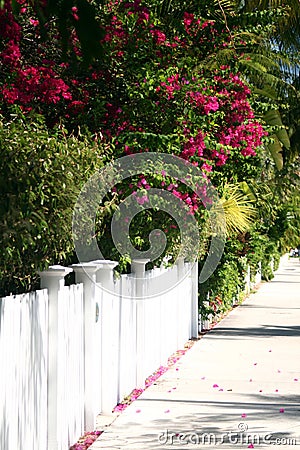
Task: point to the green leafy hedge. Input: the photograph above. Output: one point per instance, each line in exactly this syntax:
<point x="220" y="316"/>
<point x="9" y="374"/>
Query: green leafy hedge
<point x="41" y="174"/>
<point x="218" y="293"/>
<point x="262" y="249"/>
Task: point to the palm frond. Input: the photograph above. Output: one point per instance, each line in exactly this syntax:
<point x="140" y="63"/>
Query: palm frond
<point x="275" y="148"/>
<point x="235" y="212"/>
<point x="288" y="27"/>
<point x="215" y="60"/>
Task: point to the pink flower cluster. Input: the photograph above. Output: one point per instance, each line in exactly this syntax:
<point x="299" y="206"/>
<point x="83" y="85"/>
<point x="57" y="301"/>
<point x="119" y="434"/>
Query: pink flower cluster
<point x="170" y="86"/>
<point x="11" y="54"/>
<point x="172" y="360"/>
<point x="194" y="145"/>
<point x="115" y="32"/>
<point x="205" y="103"/>
<point x="247" y="136"/>
<point x="136" y="7"/>
<point x="9" y="28"/>
<point x="227" y="100"/>
<point x="191" y="200"/>
<point x="158" y="36"/>
<point x="193" y="25"/>
<point x="36" y="84"/>
<point x="86" y="440"/>
<point x="26" y="84"/>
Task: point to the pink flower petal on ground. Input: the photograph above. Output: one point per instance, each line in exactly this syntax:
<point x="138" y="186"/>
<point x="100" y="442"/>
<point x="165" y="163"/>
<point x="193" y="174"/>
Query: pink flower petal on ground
<point x="260" y="390"/>
<point x="255" y="364"/>
<point x="295" y="379"/>
<point x="250" y="446"/>
<point x="174" y="387"/>
<point x="244" y="416"/>
<point x="281" y="410"/>
<point x="177" y="368"/>
<point x="221" y="390"/>
<point x="167" y="411"/>
<point x="203" y="378"/>
<point x="169" y="391"/>
<point x="250" y="379"/>
<point x="138" y="411"/>
<point x="276" y="390"/>
<point x="278" y="371"/>
<point x="215" y="386"/>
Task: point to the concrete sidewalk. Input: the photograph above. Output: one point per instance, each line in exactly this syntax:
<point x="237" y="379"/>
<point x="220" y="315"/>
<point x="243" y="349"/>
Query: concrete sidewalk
<point x="237" y="387"/>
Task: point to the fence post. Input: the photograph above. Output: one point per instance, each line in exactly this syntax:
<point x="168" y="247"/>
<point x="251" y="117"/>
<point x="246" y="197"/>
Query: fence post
<point x="195" y="306"/>
<point x="109" y="335"/>
<point x="258" y="274"/>
<point x="138" y="269"/>
<point x="272" y="264"/>
<point x="85" y="273"/>
<point x="53" y="280"/>
<point x="180" y="266"/>
<point x="180" y="302"/>
<point x="248" y="280"/>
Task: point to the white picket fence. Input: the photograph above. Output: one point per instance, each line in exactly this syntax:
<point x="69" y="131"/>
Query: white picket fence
<point x="256" y="276"/>
<point x="70" y="353"/>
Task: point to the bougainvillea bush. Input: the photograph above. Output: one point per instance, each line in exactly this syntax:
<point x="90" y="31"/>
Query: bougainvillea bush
<point x="162" y="99"/>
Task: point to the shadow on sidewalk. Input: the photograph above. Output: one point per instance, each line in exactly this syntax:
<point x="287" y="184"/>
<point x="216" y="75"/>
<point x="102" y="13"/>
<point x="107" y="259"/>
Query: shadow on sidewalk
<point x="261" y="331"/>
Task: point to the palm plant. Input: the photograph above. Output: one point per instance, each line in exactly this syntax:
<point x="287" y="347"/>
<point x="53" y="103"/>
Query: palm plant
<point x="284" y="40"/>
<point x="235" y="212"/>
<point x="287" y="32"/>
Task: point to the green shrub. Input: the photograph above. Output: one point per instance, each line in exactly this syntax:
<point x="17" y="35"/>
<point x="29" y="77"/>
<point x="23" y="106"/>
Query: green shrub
<point x="261" y="248"/>
<point x="41" y="174"/>
<point x="223" y="288"/>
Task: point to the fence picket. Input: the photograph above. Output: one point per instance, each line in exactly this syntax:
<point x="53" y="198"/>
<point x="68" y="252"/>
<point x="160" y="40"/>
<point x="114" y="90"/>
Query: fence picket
<point x="70" y="408"/>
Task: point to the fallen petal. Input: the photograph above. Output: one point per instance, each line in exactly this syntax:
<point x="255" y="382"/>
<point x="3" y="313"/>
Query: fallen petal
<point x="244" y="415"/>
<point x="281" y="410"/>
<point x="215" y="385"/>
